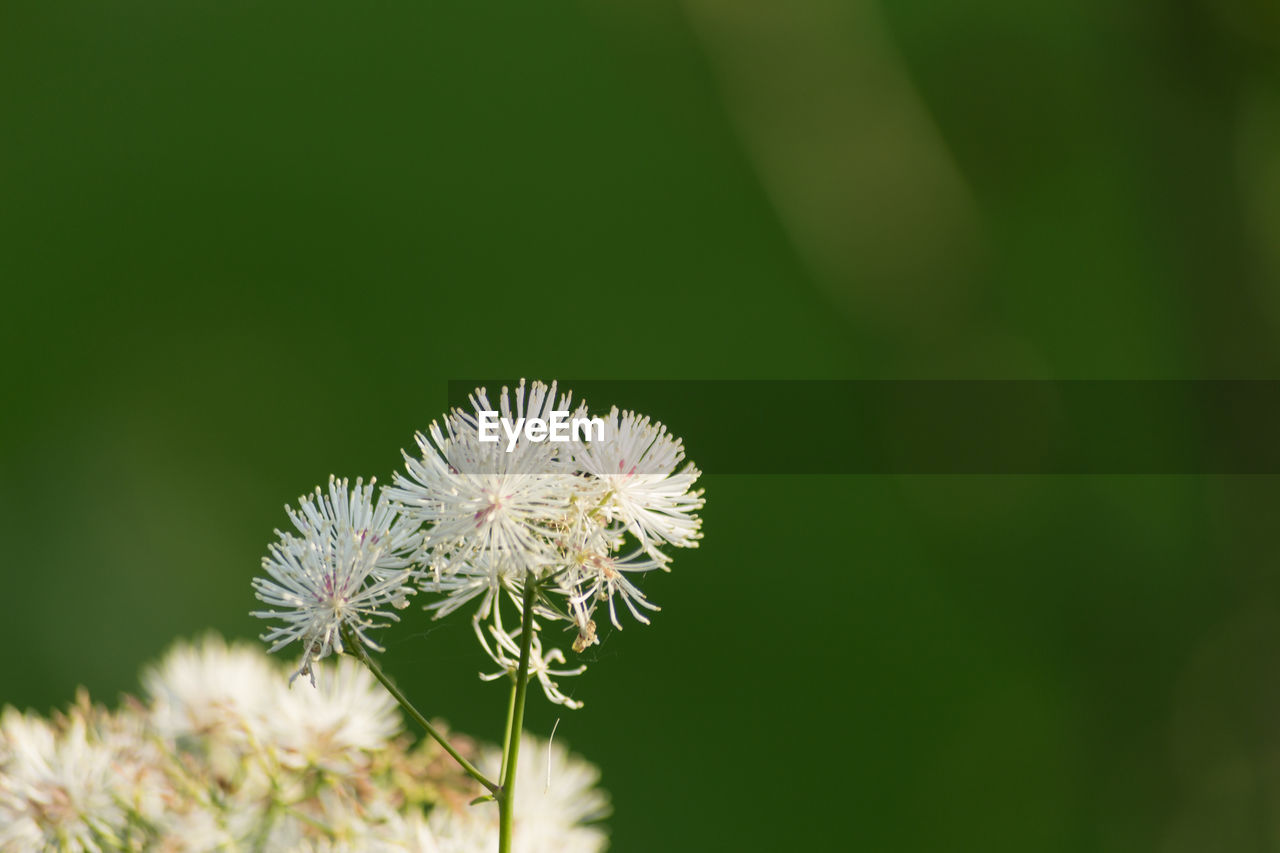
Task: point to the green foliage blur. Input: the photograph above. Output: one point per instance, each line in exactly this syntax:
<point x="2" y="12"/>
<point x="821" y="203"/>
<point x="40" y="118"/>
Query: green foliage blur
<point x="245" y="245"/>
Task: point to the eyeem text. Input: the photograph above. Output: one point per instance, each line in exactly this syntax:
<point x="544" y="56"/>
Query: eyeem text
<point x="558" y="428"/>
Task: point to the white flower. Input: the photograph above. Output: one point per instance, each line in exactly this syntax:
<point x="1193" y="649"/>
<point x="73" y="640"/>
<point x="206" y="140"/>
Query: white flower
<point x="335" y="724"/>
<point x="597" y="577"/>
<point x="212" y="704"/>
<point x="483" y="579"/>
<point x="505" y="652"/>
<point x="338" y="820"/>
<point x="232" y="699"/>
<point x="196" y="829"/>
<point x="498" y="516"/>
<point x="556" y="800"/>
<point x="208" y="688"/>
<point x="350" y="561"/>
<point x="329" y="771"/>
<point x="140" y="761"/>
<point x="636" y="464"/>
<point x="483" y="503"/>
<point x="454" y="832"/>
<point x="556" y="797"/>
<point x="58" y="789"/>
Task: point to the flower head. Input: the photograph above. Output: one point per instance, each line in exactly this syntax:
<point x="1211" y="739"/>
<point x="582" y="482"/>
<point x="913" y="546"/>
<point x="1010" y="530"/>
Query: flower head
<point x="636" y="465"/>
<point x="573" y="520"/>
<point x="338" y="723"/>
<point x="204" y="688"/>
<point x="328" y="770"/>
<point x="59" y="788"/>
<point x="482" y="501"/>
<point x="349" y="560"/>
<point x="580" y="519"/>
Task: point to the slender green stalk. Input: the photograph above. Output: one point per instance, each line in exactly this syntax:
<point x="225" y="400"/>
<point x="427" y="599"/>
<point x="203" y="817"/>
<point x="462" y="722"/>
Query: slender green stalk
<point x="357" y="647"/>
<point x="506" y="737"/>
<point x="506" y="792"/>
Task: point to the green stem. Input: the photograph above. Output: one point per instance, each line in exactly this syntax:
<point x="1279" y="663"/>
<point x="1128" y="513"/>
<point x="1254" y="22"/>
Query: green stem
<point x="506" y="737"/>
<point x="355" y="645"/>
<point x="506" y="793"/>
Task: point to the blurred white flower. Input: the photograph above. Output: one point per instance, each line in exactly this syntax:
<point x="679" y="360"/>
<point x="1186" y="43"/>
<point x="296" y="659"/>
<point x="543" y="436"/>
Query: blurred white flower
<point x="329" y="770"/>
<point x="336" y="724"/>
<point x="210" y="688"/>
<point x="58" y="787"/>
<point x="350" y="561"/>
<point x="199" y="826"/>
<point x="556" y="803"/>
<point x="338" y="819"/>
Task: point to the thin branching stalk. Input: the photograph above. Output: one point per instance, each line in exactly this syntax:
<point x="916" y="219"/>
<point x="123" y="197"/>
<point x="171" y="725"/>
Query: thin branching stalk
<point x="359" y="651"/>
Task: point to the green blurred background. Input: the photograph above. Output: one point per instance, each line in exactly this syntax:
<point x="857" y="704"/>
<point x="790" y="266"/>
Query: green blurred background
<point x="244" y="245"/>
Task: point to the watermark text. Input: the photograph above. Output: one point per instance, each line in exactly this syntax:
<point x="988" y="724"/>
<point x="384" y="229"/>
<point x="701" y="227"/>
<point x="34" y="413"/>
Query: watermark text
<point x="559" y="427"/>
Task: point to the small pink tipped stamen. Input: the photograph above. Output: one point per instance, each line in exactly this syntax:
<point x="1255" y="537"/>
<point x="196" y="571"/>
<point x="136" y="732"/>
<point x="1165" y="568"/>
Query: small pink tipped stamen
<point x="482" y="515"/>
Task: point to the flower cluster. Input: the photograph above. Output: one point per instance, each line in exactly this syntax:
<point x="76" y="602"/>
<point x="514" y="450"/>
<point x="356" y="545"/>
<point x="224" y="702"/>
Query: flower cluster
<point x="468" y="521"/>
<point x="223" y="755"/>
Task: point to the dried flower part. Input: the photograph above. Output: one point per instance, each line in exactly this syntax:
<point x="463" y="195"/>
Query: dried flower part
<point x="586" y="636"/>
